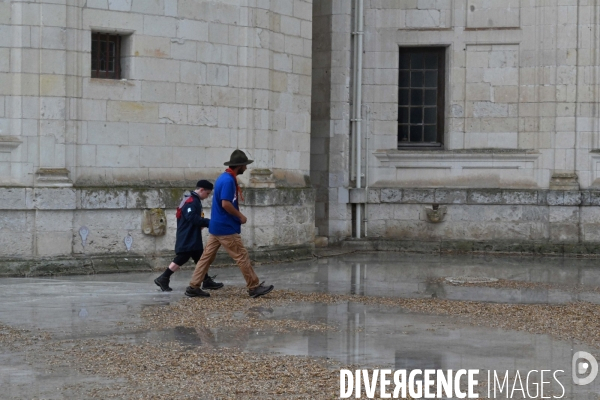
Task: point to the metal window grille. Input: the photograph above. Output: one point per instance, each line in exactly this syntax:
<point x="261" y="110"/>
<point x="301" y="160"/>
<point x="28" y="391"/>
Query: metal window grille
<point x="106" y="56"/>
<point x="421" y="82"/>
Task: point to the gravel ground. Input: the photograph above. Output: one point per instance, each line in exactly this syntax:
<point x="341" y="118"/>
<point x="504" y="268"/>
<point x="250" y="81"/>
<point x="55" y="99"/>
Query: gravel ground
<point x="512" y="284"/>
<point x="572" y="321"/>
<point x="145" y="369"/>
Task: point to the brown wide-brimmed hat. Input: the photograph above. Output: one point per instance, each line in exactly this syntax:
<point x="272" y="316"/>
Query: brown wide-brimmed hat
<point x="238" y="157"/>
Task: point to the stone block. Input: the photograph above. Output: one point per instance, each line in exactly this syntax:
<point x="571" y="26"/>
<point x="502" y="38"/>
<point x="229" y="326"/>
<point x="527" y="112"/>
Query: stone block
<point x="217" y="75"/>
<point x="20" y="243"/>
<point x="52" y="108"/>
<point x="54" y="244"/>
<point x="151" y="46"/>
<point x="110" y="89"/>
<point x="543" y="197"/>
<point x="485" y="197"/>
<point x="183" y="50"/>
<point x="199" y="115"/>
<point x="520" y="197"/>
<point x="13" y="199"/>
<point x="119" y="5"/>
<point x="391" y="195"/>
<point x="478" y="91"/>
<point x="157" y="69"/>
<point x="560" y="232"/>
<point x="144" y="198"/>
<point x="5" y="13"/>
<point x="373" y="195"/>
<point x="148" y="7"/>
<point x="594" y="198"/>
<point x="118" y="156"/>
<point x="218" y="33"/>
<point x="572" y="198"/>
<point x="486" y="14"/>
<point x="156" y="157"/>
<point x="158" y="92"/>
<point x="147" y="134"/>
<point x="52" y="85"/>
<point x="107" y="133"/>
<point x="107" y="220"/>
<point x="489" y="109"/>
<point x="564" y="215"/>
<point x="535" y="214"/>
<point x="192" y="30"/>
<point x="17" y="221"/>
<point x="54" y="38"/>
<point x="103" y="198"/>
<point x="129" y="111"/>
<point x="420" y="196"/>
<point x="591" y="232"/>
<point x="93" y="110"/>
<point x="54" y="221"/>
<point x="449" y="196"/>
<point x="160" y="26"/>
<point x="54" y="199"/>
<point x="173" y="114"/>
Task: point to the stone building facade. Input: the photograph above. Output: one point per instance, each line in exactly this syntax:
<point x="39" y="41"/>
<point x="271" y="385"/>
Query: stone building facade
<point x="486" y="111"/>
<point x="417" y="124"/>
<point x="112" y="108"/>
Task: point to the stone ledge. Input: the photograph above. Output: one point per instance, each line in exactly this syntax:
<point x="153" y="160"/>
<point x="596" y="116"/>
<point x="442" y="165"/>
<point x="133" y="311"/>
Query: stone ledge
<point x="98" y="198"/>
<point x="127" y="262"/>
<point x="541" y="197"/>
<point x="510" y="247"/>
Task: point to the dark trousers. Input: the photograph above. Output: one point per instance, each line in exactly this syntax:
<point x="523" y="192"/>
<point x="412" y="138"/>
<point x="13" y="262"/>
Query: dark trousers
<point x="182" y="258"/>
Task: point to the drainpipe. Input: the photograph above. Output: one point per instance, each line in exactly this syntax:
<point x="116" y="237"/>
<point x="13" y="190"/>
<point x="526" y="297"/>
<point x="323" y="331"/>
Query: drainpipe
<point x="367" y="137"/>
<point x="357" y="103"/>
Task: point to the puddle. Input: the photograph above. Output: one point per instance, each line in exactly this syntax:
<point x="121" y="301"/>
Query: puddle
<point x="107" y="305"/>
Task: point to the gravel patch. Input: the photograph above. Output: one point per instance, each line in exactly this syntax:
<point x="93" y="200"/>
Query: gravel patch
<point x="147" y="369"/>
<point x="513" y="284"/>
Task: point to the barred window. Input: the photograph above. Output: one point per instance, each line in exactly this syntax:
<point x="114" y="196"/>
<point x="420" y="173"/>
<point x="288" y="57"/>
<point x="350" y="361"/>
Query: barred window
<point x="106" y="56"/>
<point x="421" y="97"/>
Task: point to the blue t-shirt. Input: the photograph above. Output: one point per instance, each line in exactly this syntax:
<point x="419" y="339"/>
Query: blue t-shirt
<point x="221" y="222"/>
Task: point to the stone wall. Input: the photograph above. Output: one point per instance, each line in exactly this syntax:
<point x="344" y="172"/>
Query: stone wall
<point x="521" y="113"/>
<point x="517" y="77"/>
<point x="199" y="79"/>
<point x="46" y="222"/>
<point x="502" y="220"/>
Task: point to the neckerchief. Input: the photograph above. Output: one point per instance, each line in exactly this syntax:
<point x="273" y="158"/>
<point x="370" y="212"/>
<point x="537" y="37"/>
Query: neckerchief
<point x="237" y="187"/>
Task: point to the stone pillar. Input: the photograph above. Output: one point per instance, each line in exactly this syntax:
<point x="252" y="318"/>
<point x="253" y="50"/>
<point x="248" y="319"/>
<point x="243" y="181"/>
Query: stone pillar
<point x="330" y="134"/>
<point x="559" y="57"/>
<point x="51" y="36"/>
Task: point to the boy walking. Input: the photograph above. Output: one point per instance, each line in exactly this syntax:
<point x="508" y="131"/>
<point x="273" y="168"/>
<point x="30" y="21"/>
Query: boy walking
<point x="225" y="229"/>
<point x="188" y="244"/>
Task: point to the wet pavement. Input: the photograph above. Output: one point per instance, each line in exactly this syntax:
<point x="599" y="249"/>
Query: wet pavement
<point x="102" y="306"/>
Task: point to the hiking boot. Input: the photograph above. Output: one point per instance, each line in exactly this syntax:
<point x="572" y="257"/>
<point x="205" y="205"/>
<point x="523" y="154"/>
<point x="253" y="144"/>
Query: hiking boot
<point x="209" y="284"/>
<point x="163" y="283"/>
<point x="196" y="292"/>
<point x="260" y="290"/>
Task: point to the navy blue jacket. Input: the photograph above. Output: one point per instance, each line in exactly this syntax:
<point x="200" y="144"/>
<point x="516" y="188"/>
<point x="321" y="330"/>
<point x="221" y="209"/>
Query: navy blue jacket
<point x="189" y="221"/>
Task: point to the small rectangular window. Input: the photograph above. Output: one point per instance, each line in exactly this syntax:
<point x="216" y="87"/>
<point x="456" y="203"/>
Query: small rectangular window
<point x="421" y="79"/>
<point x="106" y="56"/>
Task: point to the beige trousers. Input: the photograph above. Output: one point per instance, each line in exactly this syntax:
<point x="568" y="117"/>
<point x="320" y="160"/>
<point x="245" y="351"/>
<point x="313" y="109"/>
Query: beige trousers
<point x="234" y="246"/>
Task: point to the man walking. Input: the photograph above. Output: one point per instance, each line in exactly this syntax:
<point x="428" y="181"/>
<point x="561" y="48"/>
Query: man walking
<point x="225" y="229"/>
<point x="188" y="243"/>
